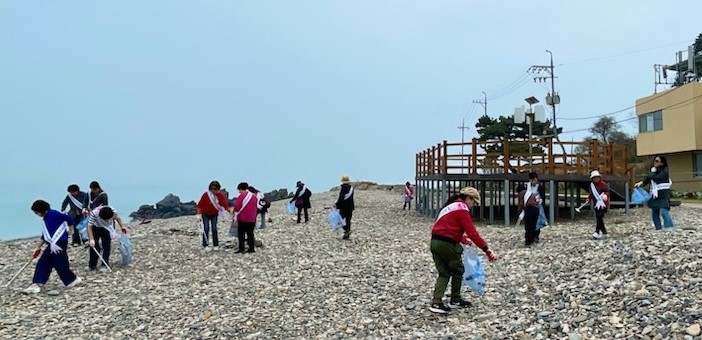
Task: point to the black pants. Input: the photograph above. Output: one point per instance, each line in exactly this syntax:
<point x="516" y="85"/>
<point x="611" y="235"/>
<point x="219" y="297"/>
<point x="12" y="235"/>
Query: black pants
<point x="77" y="217"/>
<point x="531" y="217"/>
<point x="599" y="216"/>
<point x="346" y="214"/>
<point x="49" y="261"/>
<point x="299" y="215"/>
<point x="407" y="205"/>
<point x="246" y="230"/>
<point x="103" y="242"/>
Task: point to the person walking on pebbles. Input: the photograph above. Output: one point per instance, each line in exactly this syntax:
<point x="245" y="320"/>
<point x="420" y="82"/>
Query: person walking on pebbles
<point x="447" y="234"/>
<point x="346" y="205"/>
<point x="96" y="197"/>
<point x="599" y="191"/>
<point x="408" y="194"/>
<point x="660" y="183"/>
<point x="74" y="201"/>
<point x="245" y="213"/>
<point x="57" y="228"/>
<point x="302" y="201"/>
<point x="212" y="205"/>
<point x="101" y="228"/>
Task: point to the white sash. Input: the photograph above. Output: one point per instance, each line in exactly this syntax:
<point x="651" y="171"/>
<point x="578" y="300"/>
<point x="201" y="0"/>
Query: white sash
<point x="91" y="200"/>
<point x="246" y="201"/>
<point x="302" y="192"/>
<point x="455" y="206"/>
<point x="600" y="202"/>
<point x="663" y="186"/>
<point x="55" y="249"/>
<point x="348" y="194"/>
<point x="99" y="222"/>
<point x="78" y="205"/>
<point x="213" y="198"/>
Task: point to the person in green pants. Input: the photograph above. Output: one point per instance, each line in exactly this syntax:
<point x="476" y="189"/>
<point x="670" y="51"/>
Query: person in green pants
<point x="447" y="234"/>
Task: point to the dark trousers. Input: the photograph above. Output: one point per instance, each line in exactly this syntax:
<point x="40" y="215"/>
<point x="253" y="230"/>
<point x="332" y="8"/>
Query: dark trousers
<point x="103" y="242"/>
<point x="77" y="218"/>
<point x="49" y="261"/>
<point x="531" y="217"/>
<point x="449" y="263"/>
<point x="346" y="214"/>
<point x="209" y="221"/>
<point x="299" y="215"/>
<point x="246" y="230"/>
<point x="407" y="205"/>
<point x="599" y="217"/>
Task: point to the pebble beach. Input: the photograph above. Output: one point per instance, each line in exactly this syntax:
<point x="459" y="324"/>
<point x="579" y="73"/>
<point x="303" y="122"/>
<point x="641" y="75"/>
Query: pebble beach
<point x="305" y="282"/>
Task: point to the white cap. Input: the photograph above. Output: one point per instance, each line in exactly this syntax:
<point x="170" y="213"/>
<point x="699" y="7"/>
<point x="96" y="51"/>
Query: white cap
<point x="594" y="174"/>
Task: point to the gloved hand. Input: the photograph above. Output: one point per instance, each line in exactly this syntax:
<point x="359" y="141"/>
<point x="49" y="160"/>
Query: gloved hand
<point x="653" y="169"/>
<point x="91" y="242"/>
<point x="605" y="197"/>
<point x="85" y="212"/>
<point x="491" y="257"/>
<point x="124" y="230"/>
<point x="36" y="253"/>
<point x="638" y="184"/>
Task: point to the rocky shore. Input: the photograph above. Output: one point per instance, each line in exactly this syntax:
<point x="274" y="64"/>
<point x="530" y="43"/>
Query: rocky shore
<point x="305" y="282"/>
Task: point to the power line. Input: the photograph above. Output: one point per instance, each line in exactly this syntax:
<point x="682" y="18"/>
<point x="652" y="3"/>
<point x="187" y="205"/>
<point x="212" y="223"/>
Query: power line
<point x="623" y="53"/>
<point x="622" y="110"/>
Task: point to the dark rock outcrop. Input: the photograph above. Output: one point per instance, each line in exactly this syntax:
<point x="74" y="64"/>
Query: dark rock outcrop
<point x="171" y="206"/>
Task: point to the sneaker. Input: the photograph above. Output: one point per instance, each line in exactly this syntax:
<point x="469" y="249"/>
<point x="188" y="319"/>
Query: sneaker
<point x="241" y="251"/>
<point x="596" y="235"/>
<point x="33" y="289"/>
<point x="103" y="269"/>
<point x="75" y="282"/>
<point x="347" y="235"/>
<point x="251" y="251"/>
<point x="208" y="248"/>
<point x="88" y="269"/>
<point x="439" y="308"/>
<point x="215" y="248"/>
<point x="604" y="235"/>
<point x="459" y="304"/>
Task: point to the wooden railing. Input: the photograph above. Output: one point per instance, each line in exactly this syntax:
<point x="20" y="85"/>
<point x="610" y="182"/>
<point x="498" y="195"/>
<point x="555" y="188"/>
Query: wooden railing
<point x="579" y="159"/>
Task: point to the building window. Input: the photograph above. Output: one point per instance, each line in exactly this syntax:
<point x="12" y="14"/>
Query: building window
<point x="697" y="164"/>
<point x="652" y="121"/>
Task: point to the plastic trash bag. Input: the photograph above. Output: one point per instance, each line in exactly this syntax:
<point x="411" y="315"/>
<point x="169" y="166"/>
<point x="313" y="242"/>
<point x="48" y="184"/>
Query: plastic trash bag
<point x="542" y="222"/>
<point x="125" y="249"/>
<point x="640" y="196"/>
<point x="291" y="208"/>
<point x="335" y="220"/>
<point x="473" y="276"/>
<point x="82" y="229"/>
<point x="234" y="228"/>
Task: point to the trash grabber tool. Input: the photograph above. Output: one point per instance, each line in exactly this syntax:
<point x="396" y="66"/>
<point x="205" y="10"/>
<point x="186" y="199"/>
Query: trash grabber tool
<point x="19" y="272"/>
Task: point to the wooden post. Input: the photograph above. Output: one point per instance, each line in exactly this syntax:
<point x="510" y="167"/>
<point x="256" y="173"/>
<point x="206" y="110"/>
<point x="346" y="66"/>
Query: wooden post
<point x="506" y="198"/>
<point x="505" y="156"/>
<point x="491" y="221"/>
<point x="551" y="158"/>
<point x="553" y="201"/>
<point x="445" y="159"/>
<point x="594" y="154"/>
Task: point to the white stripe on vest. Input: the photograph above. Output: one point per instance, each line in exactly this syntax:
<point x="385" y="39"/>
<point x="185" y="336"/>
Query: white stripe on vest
<point x="663" y="186"/>
<point x="600" y="202"/>
<point x="78" y="205"/>
<point x="55" y="249"/>
<point x="213" y="198"/>
<point x="348" y="194"/>
<point x="455" y="206"/>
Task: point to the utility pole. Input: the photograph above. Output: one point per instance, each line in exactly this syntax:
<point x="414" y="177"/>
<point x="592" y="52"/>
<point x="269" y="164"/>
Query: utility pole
<point x="483" y="102"/>
<point x="552" y="98"/>
<point x="463" y="129"/>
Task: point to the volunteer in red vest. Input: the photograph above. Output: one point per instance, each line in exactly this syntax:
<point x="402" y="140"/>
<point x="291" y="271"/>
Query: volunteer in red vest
<point x="408" y="194"/>
<point x="245" y="213"/>
<point x="447" y="234"/>
<point x="212" y="205"/>
<point x="599" y="191"/>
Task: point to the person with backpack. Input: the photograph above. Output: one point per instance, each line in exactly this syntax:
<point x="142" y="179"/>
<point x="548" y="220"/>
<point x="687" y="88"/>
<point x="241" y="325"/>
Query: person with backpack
<point x="302" y="201"/>
<point x="346" y="205"/>
<point x="74" y="201"/>
<point x="245" y="214"/>
<point x="262" y="205"/>
<point x="101" y="231"/>
<point x="408" y="194"/>
<point x="212" y="205"/>
<point x="447" y="234"/>
<point x="57" y="228"/>
<point x="96" y="197"/>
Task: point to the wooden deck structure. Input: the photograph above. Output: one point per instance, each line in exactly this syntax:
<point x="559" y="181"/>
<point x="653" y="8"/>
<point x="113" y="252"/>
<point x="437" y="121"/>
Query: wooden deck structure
<point x="443" y="169"/>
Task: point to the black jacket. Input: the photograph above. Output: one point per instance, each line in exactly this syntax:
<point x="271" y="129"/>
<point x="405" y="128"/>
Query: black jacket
<point x="345" y="204"/>
<point x="305" y="196"/>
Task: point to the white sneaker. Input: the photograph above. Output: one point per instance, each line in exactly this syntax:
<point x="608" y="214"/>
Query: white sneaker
<point x="75" y="282"/>
<point x="215" y="248"/>
<point x="596" y="235"/>
<point x="87" y="269"/>
<point x="104" y="270"/>
<point x="208" y="248"/>
<point x="33" y="289"/>
<point x="604" y="235"/>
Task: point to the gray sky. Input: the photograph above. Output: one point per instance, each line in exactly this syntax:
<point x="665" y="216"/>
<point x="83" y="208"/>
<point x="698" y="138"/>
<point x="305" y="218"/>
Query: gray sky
<point x="170" y="94"/>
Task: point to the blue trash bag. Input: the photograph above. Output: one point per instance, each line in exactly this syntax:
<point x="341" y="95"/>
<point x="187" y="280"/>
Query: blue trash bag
<point x="640" y="196"/>
<point x="291" y="208"/>
<point x="335" y="220"/>
<point x="542" y="222"/>
<point x="474" y="276"/>
<point x="125" y="249"/>
<point x="82" y="229"/>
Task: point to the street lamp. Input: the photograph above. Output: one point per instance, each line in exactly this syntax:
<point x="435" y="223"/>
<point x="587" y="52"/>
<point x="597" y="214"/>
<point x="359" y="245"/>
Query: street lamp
<point x="530" y="120"/>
